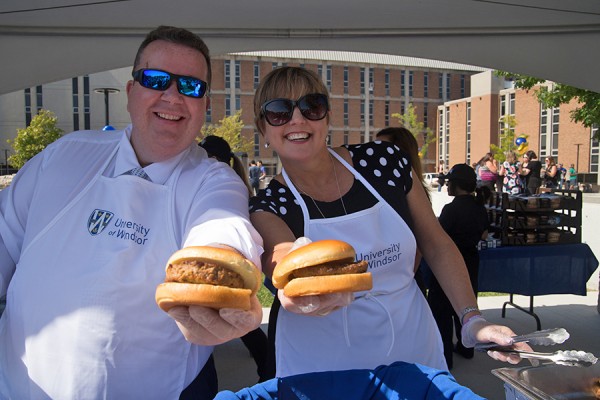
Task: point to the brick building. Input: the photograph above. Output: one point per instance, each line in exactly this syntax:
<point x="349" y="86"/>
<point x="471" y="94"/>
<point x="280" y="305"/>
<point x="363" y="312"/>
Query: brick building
<point x="366" y="89"/>
<point x="466" y="127"/>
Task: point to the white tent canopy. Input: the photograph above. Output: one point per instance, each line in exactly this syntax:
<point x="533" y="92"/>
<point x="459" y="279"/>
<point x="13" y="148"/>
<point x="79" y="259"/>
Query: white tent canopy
<point x="44" y="41"/>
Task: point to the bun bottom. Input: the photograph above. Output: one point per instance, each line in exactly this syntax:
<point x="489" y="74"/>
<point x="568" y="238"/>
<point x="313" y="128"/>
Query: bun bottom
<point x="172" y="294"/>
<point x="315" y="285"/>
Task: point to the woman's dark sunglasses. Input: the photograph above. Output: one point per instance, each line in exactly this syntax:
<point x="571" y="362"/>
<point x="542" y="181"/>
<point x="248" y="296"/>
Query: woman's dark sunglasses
<point x="312" y="106"/>
<point x="161" y="80"/>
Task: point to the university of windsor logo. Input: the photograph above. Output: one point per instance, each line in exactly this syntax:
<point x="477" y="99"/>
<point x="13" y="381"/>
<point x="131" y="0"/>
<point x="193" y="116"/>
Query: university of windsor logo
<point x="98" y="220"/>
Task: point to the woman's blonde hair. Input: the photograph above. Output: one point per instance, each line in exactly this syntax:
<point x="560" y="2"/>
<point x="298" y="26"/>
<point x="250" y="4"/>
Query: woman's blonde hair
<point x="285" y="82"/>
<point x="511" y="157"/>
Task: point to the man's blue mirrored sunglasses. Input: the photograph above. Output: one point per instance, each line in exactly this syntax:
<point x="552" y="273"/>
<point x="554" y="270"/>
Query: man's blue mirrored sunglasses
<point x="161" y="80"/>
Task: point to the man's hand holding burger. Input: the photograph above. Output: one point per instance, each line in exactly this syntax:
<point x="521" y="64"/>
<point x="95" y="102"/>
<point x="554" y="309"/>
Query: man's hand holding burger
<point x="209" y="327"/>
<point x="210" y="291"/>
<point x="316" y="278"/>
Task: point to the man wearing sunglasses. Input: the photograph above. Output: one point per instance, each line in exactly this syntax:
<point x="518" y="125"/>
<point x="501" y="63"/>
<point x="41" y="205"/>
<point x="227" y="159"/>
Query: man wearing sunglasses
<point x="86" y="229"/>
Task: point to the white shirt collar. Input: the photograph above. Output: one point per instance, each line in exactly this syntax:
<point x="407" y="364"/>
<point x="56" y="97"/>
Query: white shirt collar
<point x="158" y="172"/>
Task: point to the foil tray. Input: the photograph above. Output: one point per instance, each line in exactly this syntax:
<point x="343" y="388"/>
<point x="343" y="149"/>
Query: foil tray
<point x="553" y="382"/>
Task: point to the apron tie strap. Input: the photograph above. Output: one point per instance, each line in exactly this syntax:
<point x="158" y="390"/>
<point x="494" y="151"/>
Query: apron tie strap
<point x="373" y="297"/>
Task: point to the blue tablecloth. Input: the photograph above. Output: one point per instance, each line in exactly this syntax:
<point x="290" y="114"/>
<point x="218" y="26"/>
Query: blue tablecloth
<point x="399" y="380"/>
<point x="537" y="270"/>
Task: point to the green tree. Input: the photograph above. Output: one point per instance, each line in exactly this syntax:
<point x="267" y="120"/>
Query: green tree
<point x="410" y="121"/>
<point x="230" y="129"/>
<point x="29" y="141"/>
<point x="588" y="111"/>
<point x="507" y="138"/>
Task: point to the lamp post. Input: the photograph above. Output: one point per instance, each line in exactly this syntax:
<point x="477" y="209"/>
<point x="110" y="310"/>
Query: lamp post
<point x="577" y="162"/>
<point x="106" y="92"/>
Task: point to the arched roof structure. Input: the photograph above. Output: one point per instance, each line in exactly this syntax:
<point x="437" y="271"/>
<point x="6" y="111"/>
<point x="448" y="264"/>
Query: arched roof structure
<point x="42" y="41"/>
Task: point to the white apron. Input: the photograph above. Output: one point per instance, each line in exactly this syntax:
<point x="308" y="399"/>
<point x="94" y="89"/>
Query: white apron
<point x="83" y="296"/>
<point x="392" y="322"/>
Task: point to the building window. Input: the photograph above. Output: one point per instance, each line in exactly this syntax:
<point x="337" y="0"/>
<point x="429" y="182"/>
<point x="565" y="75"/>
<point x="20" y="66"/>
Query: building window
<point x="328" y="77"/>
<point x="512" y="107"/>
<point x="440" y="133"/>
<point x="227" y="74"/>
<point x="274" y="65"/>
<point x="87" y="113"/>
<point x="371" y="112"/>
<point x="447" y="136"/>
<point x="410" y="84"/>
<point x="39" y="98"/>
<point x="387" y="113"/>
<point x="28" y="116"/>
<point x="387" y="82"/>
<point x="75" y="96"/>
<point x="227" y="106"/>
<point x="209" y="114"/>
<point x="502" y="106"/>
<point x="468" y="144"/>
<point x="594" y="150"/>
<point x="362" y="80"/>
<point x="402" y="83"/>
<point x="441" y="86"/>
<point x="463" y="89"/>
<point x="238" y="69"/>
<point x="425" y="84"/>
<point x="362" y="112"/>
<point x="371" y="80"/>
<point x="346" y="137"/>
<point x="238" y="102"/>
<point x="256" y="74"/>
<point x="256" y="144"/>
<point x="448" y="86"/>
<point x="543" y="132"/>
<point x="425" y="114"/>
<point x="346" y="79"/>
<point x="320" y="70"/>
<point x="555" y="131"/>
<point x="346" y="112"/>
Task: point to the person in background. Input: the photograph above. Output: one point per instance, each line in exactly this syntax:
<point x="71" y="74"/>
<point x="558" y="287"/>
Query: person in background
<point x="362" y="194"/>
<point x="488" y="171"/>
<point x="254" y="177"/>
<point x="572" y="177"/>
<point x="562" y="177"/>
<point x="80" y="261"/>
<point x="441" y="176"/>
<point x="510" y="170"/>
<point x="531" y="170"/>
<point x="263" y="172"/>
<point x="550" y="173"/>
<point x="256" y="340"/>
<point x="406" y="141"/>
<point x="465" y="220"/>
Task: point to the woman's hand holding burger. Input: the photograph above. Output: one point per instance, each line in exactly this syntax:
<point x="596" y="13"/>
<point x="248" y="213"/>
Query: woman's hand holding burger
<point x="316" y="278"/>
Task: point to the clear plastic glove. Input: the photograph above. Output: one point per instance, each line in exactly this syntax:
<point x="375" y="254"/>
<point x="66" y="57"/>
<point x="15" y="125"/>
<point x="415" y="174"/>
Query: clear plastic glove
<point x="477" y="329"/>
<point x="301" y="241"/>
<point x="209" y="327"/>
<point x="320" y="305"/>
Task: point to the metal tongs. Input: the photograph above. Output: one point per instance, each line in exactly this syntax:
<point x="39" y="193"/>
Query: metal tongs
<point x="548" y="337"/>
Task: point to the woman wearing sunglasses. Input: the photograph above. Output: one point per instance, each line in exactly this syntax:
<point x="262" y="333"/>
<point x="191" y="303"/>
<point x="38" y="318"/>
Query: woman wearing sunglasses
<point x="362" y="194"/>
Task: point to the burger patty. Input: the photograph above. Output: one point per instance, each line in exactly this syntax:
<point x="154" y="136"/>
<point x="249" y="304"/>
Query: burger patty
<point x="194" y="271"/>
<point x="333" y="268"/>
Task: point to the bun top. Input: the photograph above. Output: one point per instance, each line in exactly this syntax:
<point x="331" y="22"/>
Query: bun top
<point x="315" y="253"/>
<point x="226" y="258"/>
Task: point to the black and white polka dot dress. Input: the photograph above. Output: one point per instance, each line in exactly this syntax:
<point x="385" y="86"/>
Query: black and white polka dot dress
<point x="382" y="164"/>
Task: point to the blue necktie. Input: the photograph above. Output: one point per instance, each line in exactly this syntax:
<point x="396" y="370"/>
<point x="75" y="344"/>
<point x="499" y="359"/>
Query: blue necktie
<point x="138" y="171"/>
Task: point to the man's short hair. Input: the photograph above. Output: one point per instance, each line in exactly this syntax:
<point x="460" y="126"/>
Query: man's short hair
<point x="178" y="36"/>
